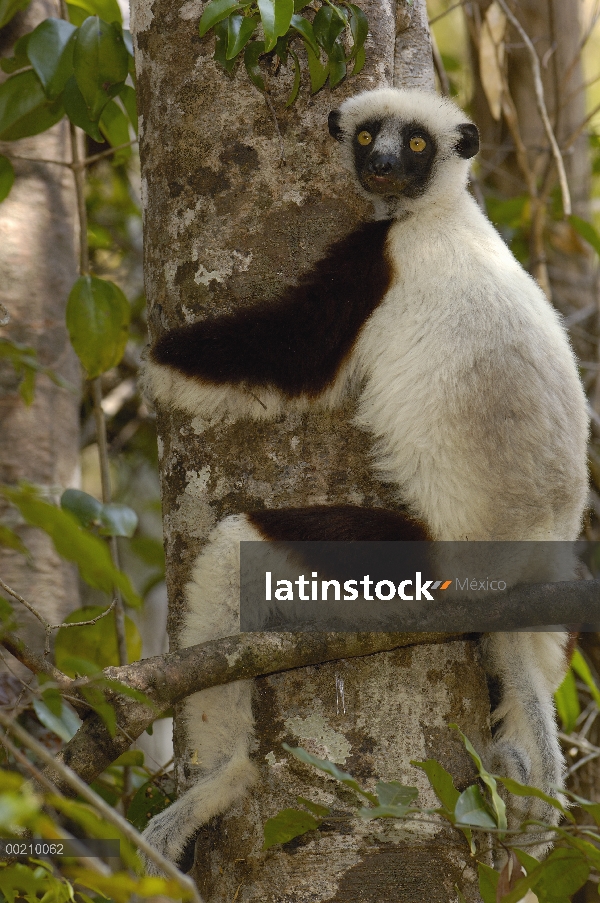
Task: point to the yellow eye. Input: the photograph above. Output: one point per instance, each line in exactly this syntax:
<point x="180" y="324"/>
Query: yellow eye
<point x="364" y="138"/>
<point x="417" y="144"/>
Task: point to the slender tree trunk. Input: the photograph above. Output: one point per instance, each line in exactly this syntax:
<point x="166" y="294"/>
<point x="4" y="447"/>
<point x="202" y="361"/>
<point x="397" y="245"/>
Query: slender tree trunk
<point x="38" y="266"/>
<point x="240" y="196"/>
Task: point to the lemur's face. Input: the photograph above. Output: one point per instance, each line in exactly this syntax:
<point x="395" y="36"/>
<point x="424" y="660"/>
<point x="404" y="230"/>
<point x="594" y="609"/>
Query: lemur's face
<point x="395" y="157"/>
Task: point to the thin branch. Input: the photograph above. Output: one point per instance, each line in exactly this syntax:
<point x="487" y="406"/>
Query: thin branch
<point x="106" y="498"/>
<point x="28" y="605"/>
<point x="106" y="153"/>
<point x="78" y="175"/>
<point x="75" y="165"/>
<point x="47" y="625"/>
<point x="107" y="812"/>
<point x="446" y="11"/>
<point x="35" y="662"/>
<point x="439" y="66"/>
<point x="541" y="105"/>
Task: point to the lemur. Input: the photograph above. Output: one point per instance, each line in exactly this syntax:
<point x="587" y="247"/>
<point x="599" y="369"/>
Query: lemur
<point x="467" y="383"/>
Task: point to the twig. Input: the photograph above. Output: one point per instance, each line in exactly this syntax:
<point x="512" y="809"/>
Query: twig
<point x="78" y="175"/>
<point x="28" y="605"/>
<point x="439" y="66"/>
<point x="106" y="811"/>
<point x="271" y="109"/>
<point x="107" y="152"/>
<point x="541" y="105"/>
<point x="35" y="662"/>
<point x="49" y="628"/>
<point x="106" y="498"/>
<point x="446" y="11"/>
<point x="78" y="164"/>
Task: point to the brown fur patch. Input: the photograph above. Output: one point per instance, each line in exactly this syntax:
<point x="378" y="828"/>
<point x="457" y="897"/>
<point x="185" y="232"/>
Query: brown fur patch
<point x="298" y="343"/>
<point x="341" y="523"/>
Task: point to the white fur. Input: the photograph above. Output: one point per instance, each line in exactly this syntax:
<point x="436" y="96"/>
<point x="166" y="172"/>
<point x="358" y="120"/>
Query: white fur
<point x="470" y="389"/>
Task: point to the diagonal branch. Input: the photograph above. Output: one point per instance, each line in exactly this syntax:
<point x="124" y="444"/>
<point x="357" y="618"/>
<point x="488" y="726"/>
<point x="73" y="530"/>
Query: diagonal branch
<point x="167" y="679"/>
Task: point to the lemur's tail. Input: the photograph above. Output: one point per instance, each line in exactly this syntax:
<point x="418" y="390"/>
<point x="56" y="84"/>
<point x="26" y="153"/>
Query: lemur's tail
<point x="170" y="830"/>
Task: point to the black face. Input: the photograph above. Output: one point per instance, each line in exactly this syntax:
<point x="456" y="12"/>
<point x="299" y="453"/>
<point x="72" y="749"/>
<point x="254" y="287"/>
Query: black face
<point x="392" y="158"/>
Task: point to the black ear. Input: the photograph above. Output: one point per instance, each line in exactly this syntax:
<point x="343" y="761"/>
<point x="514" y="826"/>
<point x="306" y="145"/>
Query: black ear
<point x="468" y="144"/>
<point x="335" y="129"/>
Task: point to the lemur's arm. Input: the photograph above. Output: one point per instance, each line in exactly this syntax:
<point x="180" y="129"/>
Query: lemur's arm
<point x="298" y="348"/>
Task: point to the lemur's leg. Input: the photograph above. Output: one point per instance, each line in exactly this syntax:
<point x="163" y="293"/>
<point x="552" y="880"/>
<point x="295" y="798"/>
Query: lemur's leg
<point x="525" y="669"/>
<point x="219" y="720"/>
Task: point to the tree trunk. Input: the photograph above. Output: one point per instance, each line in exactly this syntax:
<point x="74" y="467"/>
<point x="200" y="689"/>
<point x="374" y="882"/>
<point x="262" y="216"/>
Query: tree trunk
<point x="238" y="199"/>
<point x="38" y="266"/>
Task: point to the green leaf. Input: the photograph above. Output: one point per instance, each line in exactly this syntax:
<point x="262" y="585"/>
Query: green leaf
<point x="98" y="323"/>
<point x="215" y="12"/>
<point x="65" y="726"/>
<point x="286" y="825"/>
<point x="581" y="668"/>
<point x="441" y="782"/>
<point x="50" y="50"/>
<point x="592" y="809"/>
<point x="328" y="24"/>
<point x="9" y="8"/>
<point x="118" y="520"/>
<point x="471" y="809"/>
<point x="304" y="28"/>
<point x="359" y="28"/>
<point x="89" y="553"/>
<point x="112" y="519"/>
<point x="108" y="10"/>
<point x="148" y="801"/>
<point x="331" y="769"/>
<point x="562" y="874"/>
<point x="276" y="16"/>
<point x="127" y="97"/>
<point x="10" y="540"/>
<point x="26" y="365"/>
<point x="114" y="125"/>
<point x="567" y="702"/>
<point x="77" y="111"/>
<point x="393" y="793"/>
<point x="337" y="65"/>
<point x="525" y="790"/>
<point x="315" y="808"/>
<point x="95" y="643"/>
<point x="239" y="31"/>
<point x="7" y="177"/>
<point x="251" y="55"/>
<point x="488" y="882"/>
<point x="317" y="71"/>
<point x="498" y="804"/>
<point x="398" y="811"/>
<point x="100" y="63"/>
<point x="359" y="61"/>
<point x="24" y="108"/>
<point x="587" y="231"/>
<point x="133" y="758"/>
<point x="221" y="30"/>
<point x="297" y="77"/>
<point x="19" y="59"/>
<point x="84" y="507"/>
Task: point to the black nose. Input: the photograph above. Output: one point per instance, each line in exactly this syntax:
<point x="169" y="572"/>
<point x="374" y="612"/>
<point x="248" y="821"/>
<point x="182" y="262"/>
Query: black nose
<point x="381" y="164"/>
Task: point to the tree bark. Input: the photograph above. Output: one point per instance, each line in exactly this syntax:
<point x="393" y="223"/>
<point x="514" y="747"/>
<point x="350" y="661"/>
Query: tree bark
<point x="237" y="200"/>
<point x="38" y="266"/>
